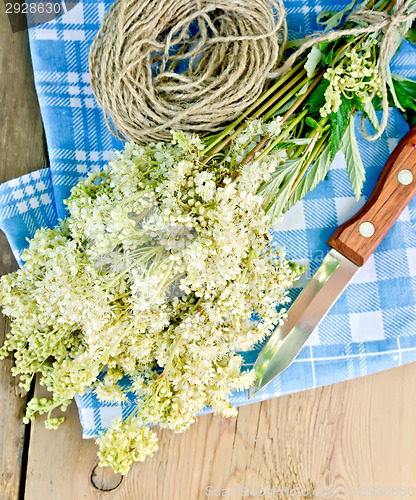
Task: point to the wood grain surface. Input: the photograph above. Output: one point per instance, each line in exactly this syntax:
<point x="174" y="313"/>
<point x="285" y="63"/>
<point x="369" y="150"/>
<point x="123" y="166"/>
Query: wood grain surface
<point x="21" y="150"/>
<point x="352" y="435"/>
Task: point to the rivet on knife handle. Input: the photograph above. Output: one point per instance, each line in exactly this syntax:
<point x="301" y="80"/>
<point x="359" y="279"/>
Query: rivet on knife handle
<point x="360" y="236"/>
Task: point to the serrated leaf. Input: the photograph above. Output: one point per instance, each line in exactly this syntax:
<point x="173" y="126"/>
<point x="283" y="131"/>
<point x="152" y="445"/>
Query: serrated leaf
<point x="278" y="189"/>
<point x="275" y="209"/>
<point x="316" y="174"/>
<point x="370" y="113"/>
<point x="357" y="103"/>
<point x="355" y="167"/>
<point x="312" y="61"/>
<point x="277" y="177"/>
<point x="317" y="98"/>
<point x="329" y="56"/>
<point x="339" y="124"/>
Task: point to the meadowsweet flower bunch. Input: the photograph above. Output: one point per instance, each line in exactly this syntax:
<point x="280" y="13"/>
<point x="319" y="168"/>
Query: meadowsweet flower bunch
<point x="148" y="288"/>
<point x="357" y="74"/>
<point x="154" y="276"/>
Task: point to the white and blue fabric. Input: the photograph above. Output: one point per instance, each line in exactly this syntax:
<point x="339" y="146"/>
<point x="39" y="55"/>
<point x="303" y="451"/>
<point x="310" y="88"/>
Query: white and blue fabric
<point x="370" y="328"/>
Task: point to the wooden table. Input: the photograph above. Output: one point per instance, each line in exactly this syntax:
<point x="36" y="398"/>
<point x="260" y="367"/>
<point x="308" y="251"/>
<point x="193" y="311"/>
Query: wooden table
<point x="352" y="435"/>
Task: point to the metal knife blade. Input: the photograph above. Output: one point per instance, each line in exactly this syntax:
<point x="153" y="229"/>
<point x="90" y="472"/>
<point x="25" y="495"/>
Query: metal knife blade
<point x="304" y="316"/>
<point x="352" y="244"/>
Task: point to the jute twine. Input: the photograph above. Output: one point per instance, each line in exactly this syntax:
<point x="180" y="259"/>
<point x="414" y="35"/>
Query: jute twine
<point x="189" y="65"/>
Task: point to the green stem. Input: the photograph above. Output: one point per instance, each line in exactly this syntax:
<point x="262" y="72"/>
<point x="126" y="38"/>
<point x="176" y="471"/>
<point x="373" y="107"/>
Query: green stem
<point x="250" y="258"/>
<point x="272" y="144"/>
<point x="303" y="97"/>
<point x="288" y="92"/>
<point x="178" y="342"/>
<point x="274" y="110"/>
<point x="283" y="134"/>
<point x="146" y="251"/>
<point x="318" y="147"/>
<point x="211" y="152"/>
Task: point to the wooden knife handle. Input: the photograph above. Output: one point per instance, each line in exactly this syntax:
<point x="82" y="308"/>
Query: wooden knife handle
<point x="357" y="238"/>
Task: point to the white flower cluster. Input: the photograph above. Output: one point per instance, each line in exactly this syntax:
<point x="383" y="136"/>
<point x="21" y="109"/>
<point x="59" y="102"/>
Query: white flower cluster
<point x="155" y="276"/>
<point x="357" y="74"/>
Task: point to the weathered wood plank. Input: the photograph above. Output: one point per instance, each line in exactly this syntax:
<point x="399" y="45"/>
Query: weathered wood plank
<point x="21" y="151"/>
<point x="359" y="433"/>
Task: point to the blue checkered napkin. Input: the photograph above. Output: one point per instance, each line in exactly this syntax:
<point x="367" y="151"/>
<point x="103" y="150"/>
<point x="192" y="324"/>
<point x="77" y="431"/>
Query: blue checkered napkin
<point x="26" y="204"/>
<point x="370" y="328"/>
<point x="314" y="366"/>
<point x="383" y="293"/>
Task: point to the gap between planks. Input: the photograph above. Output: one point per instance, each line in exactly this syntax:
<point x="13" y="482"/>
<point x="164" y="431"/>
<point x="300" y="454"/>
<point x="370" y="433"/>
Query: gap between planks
<point x="353" y="434"/>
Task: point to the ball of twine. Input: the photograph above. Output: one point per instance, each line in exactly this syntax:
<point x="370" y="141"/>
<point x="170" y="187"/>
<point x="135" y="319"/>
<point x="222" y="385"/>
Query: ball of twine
<point x="190" y="65"/>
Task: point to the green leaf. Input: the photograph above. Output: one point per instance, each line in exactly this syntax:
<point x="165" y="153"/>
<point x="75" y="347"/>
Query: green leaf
<point x="357" y="103"/>
<point x="324" y="46"/>
<point x="405" y="92"/>
<point x="390" y="84"/>
<point x="312" y="61"/>
<point x="286" y="106"/>
<point x="316" y="173"/>
<point x="317" y="98"/>
<point x="355" y="167"/>
<point x="339" y="124"/>
<point x="327" y="49"/>
<point x="295" y="44"/>
<point x="329" y="56"/>
<point x="411" y="36"/>
<point x="311" y="122"/>
<point x="377" y="103"/>
<point x="276" y="191"/>
<point x="273" y="185"/>
<point x="410" y="117"/>
<point x="303" y="89"/>
<point x="293" y="142"/>
<point x="370" y="113"/>
<point x="332" y="19"/>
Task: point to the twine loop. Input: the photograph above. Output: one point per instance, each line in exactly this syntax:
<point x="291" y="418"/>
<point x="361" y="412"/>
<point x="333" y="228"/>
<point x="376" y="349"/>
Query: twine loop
<point x="189" y="65"/>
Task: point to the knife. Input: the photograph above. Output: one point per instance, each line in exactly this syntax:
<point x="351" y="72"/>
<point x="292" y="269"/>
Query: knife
<point x="351" y="246"/>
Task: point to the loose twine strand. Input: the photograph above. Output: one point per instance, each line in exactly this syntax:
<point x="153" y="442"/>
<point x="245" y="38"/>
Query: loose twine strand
<point x="189" y="65"/>
<point x="237" y="47"/>
<point x="404" y="13"/>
